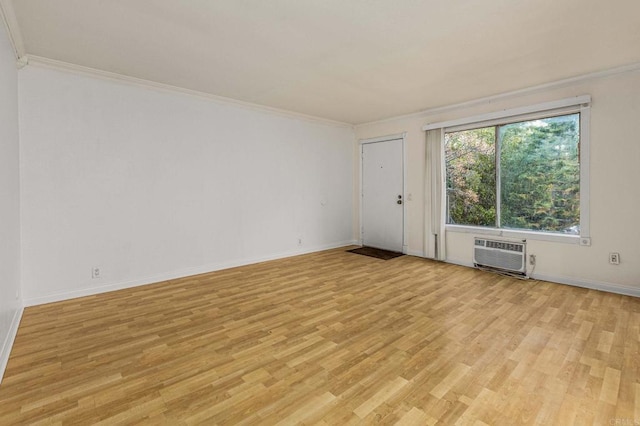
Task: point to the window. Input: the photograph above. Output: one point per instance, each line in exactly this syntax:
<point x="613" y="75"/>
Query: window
<point x="521" y="175"/>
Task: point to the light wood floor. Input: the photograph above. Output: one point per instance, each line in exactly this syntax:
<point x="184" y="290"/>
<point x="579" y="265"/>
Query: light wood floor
<point x="330" y="338"/>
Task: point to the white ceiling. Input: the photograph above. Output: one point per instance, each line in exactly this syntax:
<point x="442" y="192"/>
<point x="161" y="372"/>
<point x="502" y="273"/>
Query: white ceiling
<point x="353" y="61"/>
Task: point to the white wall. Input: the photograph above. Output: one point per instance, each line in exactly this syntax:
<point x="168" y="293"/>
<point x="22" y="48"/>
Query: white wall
<point x="10" y="303"/>
<point x="615" y="176"/>
<point x="149" y="185"/>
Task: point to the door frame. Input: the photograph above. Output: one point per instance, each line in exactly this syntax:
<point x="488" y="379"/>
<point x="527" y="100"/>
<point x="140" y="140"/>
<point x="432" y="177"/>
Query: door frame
<point x="398" y="136"/>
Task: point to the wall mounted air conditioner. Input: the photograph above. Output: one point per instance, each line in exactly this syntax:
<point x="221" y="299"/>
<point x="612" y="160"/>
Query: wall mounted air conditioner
<point x="505" y="256"/>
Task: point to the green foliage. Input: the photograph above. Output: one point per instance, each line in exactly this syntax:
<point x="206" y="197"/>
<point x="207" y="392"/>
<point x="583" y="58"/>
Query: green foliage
<point x="471" y="177"/>
<point x="539" y="175"/>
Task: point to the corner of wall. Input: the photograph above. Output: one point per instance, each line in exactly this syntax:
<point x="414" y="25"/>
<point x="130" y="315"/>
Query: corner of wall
<point x="7" y="345"/>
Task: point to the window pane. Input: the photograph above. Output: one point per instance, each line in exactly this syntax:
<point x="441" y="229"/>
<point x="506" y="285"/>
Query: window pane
<point x="471" y="177"/>
<point x="540" y="174"/>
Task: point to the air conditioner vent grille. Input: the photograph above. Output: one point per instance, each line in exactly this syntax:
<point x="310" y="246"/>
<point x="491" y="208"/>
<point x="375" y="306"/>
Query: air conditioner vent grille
<point x="505" y="246"/>
<point x="504" y="255"/>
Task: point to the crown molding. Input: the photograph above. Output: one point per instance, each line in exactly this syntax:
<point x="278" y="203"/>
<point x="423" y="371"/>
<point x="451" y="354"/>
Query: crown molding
<point x="40" y="61"/>
<point x="13" y="29"/>
<point x="634" y="67"/>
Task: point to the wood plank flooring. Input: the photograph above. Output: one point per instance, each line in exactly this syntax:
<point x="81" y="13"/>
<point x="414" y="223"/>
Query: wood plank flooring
<point x="330" y="338"/>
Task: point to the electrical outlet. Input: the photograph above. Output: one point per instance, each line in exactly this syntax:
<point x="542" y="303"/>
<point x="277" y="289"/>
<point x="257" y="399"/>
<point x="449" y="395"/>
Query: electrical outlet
<point x="614" y="258"/>
<point x="299" y="241"/>
<point x="532" y="259"/>
<point x="95" y="272"/>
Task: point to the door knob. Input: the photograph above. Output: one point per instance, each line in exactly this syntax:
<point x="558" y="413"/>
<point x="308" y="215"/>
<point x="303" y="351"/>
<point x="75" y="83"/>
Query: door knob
<point x="399" y="201"/>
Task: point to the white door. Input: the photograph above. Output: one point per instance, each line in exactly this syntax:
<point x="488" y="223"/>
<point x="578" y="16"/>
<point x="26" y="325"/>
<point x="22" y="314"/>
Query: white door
<point x="382" y="195"/>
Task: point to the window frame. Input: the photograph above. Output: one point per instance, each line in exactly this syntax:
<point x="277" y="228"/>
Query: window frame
<point x="578" y="104"/>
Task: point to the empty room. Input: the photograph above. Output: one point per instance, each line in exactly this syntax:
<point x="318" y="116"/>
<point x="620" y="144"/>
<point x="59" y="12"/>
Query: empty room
<point x="319" y="212"/>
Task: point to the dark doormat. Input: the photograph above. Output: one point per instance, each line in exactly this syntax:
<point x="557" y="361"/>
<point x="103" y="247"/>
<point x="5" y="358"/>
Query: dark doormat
<point x="375" y="252"/>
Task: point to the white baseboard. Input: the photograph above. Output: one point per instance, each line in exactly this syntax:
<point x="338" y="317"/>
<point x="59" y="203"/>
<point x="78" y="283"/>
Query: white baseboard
<point x="57" y="297"/>
<point x="593" y="285"/>
<point x="576" y="282"/>
<point x="8" y="341"/>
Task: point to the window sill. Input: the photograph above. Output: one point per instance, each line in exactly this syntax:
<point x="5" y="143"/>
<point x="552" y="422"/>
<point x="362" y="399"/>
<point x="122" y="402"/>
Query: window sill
<point x="510" y="233"/>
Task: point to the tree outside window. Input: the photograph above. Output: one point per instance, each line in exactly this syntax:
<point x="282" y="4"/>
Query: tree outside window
<point x="522" y="175"/>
